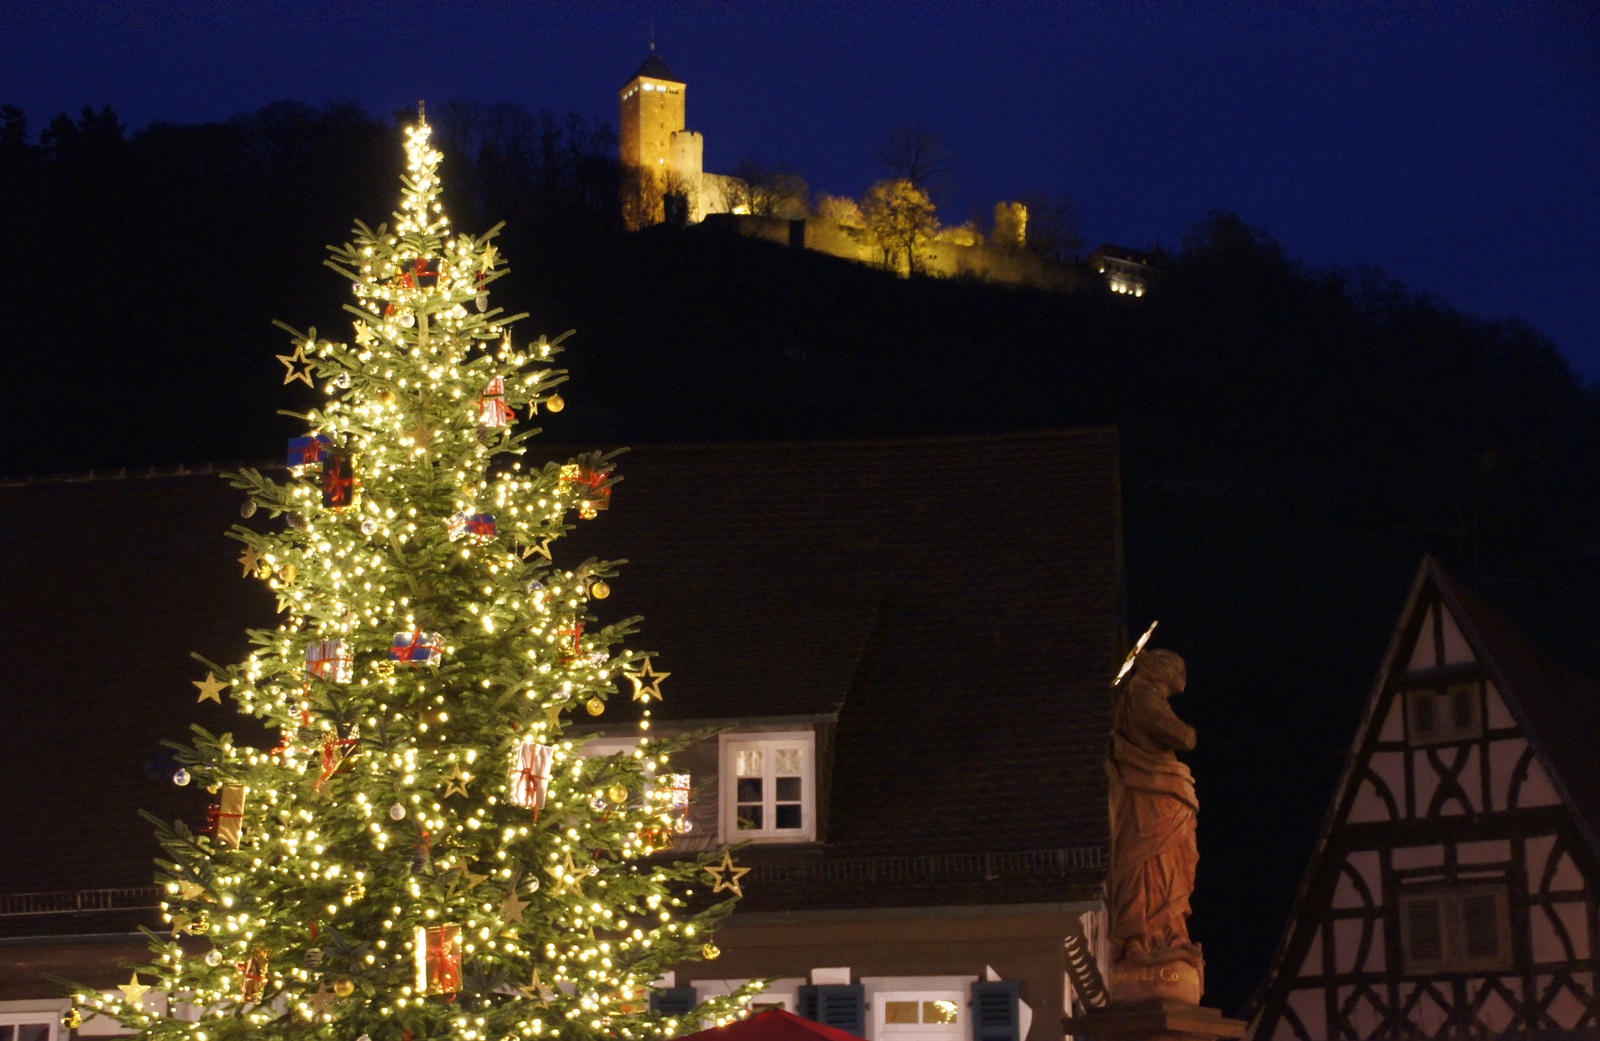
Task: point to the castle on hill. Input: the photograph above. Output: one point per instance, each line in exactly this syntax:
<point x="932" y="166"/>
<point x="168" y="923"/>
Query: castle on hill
<point x="664" y="181"/>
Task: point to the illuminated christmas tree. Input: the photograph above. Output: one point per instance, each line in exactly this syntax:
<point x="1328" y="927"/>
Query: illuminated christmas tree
<point x="425" y="854"/>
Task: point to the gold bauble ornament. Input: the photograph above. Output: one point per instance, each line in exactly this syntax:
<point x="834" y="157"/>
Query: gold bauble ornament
<point x="386" y="397"/>
<point x="355" y="891"/>
<point x="289" y="572"/>
<point x="554" y="403"/>
<point x="344" y="986"/>
<point x="595" y="706"/>
<point x="73" y="1019"/>
<point x="617" y="793"/>
<point x="711" y="952"/>
<point x="200" y="924"/>
<point x="599" y="590"/>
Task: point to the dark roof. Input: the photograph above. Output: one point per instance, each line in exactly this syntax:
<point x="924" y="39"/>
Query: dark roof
<point x="952" y="603"/>
<point x="656" y="69"/>
<point x="1558" y="709"/>
<point x="1132" y="256"/>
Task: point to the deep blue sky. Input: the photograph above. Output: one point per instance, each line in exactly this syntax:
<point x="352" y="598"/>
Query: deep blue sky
<point x="1456" y="146"/>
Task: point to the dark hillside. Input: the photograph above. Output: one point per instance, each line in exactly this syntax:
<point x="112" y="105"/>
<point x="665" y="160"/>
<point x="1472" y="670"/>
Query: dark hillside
<point x="1294" y="439"/>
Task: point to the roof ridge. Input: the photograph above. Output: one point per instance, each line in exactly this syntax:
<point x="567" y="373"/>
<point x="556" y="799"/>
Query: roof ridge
<point x="131" y="473"/>
<point x="137" y="473"/>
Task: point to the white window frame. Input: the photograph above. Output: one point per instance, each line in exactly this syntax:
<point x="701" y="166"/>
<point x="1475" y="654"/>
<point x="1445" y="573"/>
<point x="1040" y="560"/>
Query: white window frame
<point x="28" y="1012"/>
<point x="728" y="784"/>
<point x="880" y="990"/>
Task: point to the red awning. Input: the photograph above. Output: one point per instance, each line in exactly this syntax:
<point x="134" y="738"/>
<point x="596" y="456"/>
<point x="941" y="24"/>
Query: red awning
<point x="774" y="1024"/>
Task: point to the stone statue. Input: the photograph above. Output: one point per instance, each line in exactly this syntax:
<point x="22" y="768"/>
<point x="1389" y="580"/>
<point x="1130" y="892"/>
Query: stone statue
<point x="1153" y="851"/>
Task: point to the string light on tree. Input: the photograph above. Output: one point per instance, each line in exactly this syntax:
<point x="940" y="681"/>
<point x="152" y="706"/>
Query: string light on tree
<point x="389" y="869"/>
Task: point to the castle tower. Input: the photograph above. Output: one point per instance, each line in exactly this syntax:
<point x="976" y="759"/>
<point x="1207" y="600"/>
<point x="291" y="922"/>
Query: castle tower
<point x="652" y="113"/>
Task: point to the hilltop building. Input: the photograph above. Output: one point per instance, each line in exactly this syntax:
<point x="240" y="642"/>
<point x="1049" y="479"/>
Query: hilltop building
<point x="663" y="160"/>
<point x="664" y="181"/>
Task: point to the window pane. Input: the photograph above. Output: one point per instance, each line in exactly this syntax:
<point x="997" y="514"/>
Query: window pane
<point x="748" y="763"/>
<point x="1422" y="715"/>
<point x="749" y="789"/>
<point x="1480" y="924"/>
<point x="899" y="1011"/>
<point x="1422" y="920"/>
<point x="940" y="1012"/>
<point x="33" y="1031"/>
<point x="788" y="815"/>
<point x="750" y="816"/>
<point x="788" y="789"/>
<point x="786" y="762"/>
<point x="7" y="1033"/>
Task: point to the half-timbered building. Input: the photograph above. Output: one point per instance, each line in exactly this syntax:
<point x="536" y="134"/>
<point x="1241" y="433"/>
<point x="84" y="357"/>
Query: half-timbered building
<point x="1453" y="889"/>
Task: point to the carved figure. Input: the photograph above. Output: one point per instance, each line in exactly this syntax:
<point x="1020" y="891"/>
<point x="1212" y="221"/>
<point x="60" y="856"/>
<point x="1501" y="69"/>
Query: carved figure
<point x="1153" y="850"/>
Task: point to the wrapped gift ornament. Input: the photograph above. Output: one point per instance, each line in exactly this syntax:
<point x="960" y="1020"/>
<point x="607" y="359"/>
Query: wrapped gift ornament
<point x="438" y="952"/>
<point x="529" y="782"/>
<point x="479" y="527"/>
<point x="229" y="814"/>
<point x="588" y="483"/>
<point x="492" y="408"/>
<point x="338" y="481"/>
<point x="337" y="747"/>
<point x="674" y="793"/>
<point x="330" y="660"/>
<point x="253" y="975"/>
<point x="417" y="648"/>
<point x="309" y="450"/>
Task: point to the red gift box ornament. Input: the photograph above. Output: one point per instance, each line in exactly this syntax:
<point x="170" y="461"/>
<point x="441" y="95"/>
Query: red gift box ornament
<point x="492" y="408"/>
<point x="438" y="952"/>
<point x="417" y="648"/>
<point x="587" y="482"/>
<point x="330" y="660"/>
<point x="336" y="748"/>
<point x="530" y="775"/>
<point x="338" y="481"/>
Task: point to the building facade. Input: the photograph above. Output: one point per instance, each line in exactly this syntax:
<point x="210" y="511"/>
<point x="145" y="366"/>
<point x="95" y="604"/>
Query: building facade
<point x="905" y="646"/>
<point x="1453" y="892"/>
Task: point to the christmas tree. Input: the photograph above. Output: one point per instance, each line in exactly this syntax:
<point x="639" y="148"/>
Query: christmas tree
<point x="425" y="853"/>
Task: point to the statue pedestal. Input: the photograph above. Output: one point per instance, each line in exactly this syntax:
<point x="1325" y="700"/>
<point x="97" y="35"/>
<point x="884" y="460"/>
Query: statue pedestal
<point x="1154" y="1019"/>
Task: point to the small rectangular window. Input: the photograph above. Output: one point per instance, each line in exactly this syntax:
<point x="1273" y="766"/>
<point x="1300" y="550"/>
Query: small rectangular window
<point x="1440" y="716"/>
<point x="1463" y="928"/>
<point x="768" y="787"/>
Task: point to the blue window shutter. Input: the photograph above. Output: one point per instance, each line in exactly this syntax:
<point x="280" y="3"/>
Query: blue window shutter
<point x="839" y="1005"/>
<point x="994" y="1011"/>
<point x="673" y="1001"/>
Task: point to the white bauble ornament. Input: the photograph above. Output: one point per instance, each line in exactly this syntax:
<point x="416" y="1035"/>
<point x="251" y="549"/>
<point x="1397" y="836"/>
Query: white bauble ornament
<point x="397" y="812"/>
<point x="181" y="777"/>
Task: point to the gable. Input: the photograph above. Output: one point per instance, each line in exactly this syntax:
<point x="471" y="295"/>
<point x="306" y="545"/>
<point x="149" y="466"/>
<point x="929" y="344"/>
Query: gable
<point x="1453" y="884"/>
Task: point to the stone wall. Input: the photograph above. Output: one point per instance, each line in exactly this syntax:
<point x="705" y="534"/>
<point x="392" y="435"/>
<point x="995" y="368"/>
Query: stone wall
<point x="944" y="259"/>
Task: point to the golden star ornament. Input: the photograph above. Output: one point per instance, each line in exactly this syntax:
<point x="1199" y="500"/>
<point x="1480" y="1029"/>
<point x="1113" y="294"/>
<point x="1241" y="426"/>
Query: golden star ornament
<point x="643" y="691"/>
<point x="457" y="782"/>
<point x="727" y="875"/>
<point x="211" y="688"/>
<point x="567" y="876"/>
<point x="292" y="360"/>
<point x="133" y="990"/>
<point x="250" y="559"/>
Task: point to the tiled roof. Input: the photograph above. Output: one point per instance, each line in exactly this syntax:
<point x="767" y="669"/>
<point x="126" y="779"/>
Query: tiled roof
<point x="953" y="602"/>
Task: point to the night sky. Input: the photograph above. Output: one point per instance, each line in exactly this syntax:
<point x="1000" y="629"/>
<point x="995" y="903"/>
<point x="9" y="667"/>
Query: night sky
<point x="1456" y="146"/>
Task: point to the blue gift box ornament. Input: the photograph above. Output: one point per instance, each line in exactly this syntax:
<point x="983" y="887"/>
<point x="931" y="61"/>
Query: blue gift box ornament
<point x="305" y="451"/>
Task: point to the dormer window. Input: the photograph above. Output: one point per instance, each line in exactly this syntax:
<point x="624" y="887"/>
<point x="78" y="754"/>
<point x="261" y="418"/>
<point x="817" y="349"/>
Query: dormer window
<point x="768" y="788"/>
